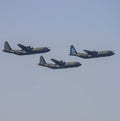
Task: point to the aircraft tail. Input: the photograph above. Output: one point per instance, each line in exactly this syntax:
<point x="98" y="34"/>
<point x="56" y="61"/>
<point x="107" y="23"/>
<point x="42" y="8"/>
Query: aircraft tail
<point x="72" y="50"/>
<point x="42" y="61"/>
<point x="7" y="46"/>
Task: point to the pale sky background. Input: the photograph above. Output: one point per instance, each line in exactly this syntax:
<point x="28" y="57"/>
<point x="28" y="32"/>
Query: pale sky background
<point x="29" y="92"/>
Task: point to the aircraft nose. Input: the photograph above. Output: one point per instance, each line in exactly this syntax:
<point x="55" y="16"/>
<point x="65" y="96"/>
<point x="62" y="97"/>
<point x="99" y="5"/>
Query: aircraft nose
<point x="78" y="64"/>
<point x="113" y="53"/>
<point x="47" y="49"/>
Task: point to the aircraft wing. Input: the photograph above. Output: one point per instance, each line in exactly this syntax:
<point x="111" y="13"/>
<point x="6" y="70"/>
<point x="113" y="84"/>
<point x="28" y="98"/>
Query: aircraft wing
<point x="60" y="63"/>
<point x="25" y="48"/>
<point x="90" y="52"/>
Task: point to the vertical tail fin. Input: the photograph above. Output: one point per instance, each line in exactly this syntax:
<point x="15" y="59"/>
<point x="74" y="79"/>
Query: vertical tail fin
<point x="72" y="50"/>
<point x="42" y="61"/>
<point x="7" y="46"/>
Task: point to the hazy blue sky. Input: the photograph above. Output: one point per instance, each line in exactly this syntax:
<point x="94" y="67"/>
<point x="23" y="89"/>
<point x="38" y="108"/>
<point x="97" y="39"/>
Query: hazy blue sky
<point x="29" y="92"/>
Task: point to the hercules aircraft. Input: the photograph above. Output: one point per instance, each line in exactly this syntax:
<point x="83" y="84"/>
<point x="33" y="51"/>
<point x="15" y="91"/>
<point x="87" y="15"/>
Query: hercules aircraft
<point x="90" y="54"/>
<point x="58" y="64"/>
<point x="25" y="50"/>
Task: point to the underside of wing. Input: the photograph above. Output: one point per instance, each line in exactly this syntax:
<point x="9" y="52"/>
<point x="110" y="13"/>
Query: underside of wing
<point x="90" y="52"/>
<point x="25" y="48"/>
<point x="60" y="63"/>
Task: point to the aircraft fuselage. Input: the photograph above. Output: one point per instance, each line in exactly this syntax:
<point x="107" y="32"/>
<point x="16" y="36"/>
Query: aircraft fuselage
<point x="66" y="65"/>
<point x="33" y="51"/>
<point x="98" y="54"/>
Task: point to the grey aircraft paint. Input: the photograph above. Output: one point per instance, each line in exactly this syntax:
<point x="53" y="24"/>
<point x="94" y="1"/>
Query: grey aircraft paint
<point x="25" y="50"/>
<point x="90" y="54"/>
<point x="58" y="64"/>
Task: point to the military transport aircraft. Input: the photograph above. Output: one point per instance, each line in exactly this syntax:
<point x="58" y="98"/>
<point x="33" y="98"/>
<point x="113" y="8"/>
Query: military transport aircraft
<point x="58" y="64"/>
<point x="25" y="50"/>
<point x="90" y="54"/>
